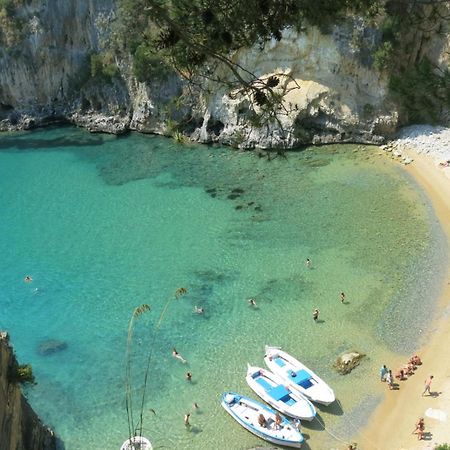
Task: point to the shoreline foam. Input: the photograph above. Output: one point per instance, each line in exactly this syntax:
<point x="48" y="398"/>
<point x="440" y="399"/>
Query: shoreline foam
<point x="390" y="426"/>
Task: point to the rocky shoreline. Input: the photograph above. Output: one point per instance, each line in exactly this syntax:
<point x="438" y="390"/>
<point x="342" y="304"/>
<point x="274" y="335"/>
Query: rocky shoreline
<point x="428" y="140"/>
<point x="20" y="427"/>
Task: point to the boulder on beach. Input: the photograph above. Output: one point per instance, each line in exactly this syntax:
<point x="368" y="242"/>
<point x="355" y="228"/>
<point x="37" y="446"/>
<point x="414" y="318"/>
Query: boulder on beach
<point x="348" y="361"/>
<point x="51" y="346"/>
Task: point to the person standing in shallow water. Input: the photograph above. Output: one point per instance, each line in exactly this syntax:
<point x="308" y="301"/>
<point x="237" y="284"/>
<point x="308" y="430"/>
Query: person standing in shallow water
<point x="342" y="297"/>
<point x="383" y="372"/>
<point x="316" y="313"/>
<point x="308" y="263"/>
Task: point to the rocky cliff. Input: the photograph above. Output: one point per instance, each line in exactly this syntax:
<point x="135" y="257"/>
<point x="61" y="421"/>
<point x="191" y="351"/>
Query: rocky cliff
<point x="20" y="427"/>
<point x="332" y="91"/>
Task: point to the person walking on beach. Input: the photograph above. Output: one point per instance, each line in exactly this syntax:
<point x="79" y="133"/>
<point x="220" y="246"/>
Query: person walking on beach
<point x="383" y="373"/>
<point x="420" y="428"/>
<point x="428" y="385"/>
<point x="316" y="313"/>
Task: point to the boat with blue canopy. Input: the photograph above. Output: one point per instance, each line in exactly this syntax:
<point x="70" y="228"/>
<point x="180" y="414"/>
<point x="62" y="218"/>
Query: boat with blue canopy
<point x="272" y="389"/>
<point x="298" y="377"/>
<point x="262" y="421"/>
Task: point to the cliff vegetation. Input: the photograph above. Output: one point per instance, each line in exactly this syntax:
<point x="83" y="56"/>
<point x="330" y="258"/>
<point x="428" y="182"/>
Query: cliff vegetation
<point x="247" y="73"/>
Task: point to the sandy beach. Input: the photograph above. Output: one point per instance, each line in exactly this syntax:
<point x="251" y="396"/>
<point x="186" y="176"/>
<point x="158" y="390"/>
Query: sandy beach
<point x="391" y="425"/>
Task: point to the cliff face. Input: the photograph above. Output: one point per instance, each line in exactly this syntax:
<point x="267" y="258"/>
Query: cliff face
<point x="332" y="92"/>
<point x="20" y="427"/>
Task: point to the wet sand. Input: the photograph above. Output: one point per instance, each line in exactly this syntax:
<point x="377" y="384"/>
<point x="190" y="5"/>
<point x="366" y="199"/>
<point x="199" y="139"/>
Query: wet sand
<point x="391" y="425"/>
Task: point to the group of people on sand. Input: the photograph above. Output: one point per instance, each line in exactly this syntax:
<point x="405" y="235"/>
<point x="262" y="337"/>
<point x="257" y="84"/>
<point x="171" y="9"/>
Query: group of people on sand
<point x="402" y="373"/>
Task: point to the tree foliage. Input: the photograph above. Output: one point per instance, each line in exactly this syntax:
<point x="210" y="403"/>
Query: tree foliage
<point x="423" y="91"/>
<point x="183" y="35"/>
<point x="11" y="26"/>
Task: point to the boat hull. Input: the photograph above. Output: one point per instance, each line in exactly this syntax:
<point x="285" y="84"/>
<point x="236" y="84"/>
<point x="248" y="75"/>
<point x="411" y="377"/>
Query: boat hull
<point x="268" y="385"/>
<point x="287" y="367"/>
<point x="137" y="443"/>
<point x="295" y="438"/>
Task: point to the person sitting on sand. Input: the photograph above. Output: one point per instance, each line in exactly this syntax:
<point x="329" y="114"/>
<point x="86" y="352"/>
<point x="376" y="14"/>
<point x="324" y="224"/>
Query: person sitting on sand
<point x="262" y="420"/>
<point x="409" y="369"/>
<point x="175" y="354"/>
<point x="415" y="360"/>
<point x="400" y="374"/>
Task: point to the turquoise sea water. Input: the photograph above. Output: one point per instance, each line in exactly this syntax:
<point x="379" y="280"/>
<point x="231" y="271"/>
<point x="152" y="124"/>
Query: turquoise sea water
<point x="104" y="224"/>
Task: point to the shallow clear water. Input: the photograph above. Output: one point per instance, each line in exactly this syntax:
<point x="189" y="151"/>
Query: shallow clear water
<point x="104" y="224"/>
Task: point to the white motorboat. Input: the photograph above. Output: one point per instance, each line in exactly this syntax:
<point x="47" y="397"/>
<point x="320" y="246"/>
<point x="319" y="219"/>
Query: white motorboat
<point x="272" y="389"/>
<point x="297" y="376"/>
<point x="261" y="420"/>
<point x="137" y="443"/>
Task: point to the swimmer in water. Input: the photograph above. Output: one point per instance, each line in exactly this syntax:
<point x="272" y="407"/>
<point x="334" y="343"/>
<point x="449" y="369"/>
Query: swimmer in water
<point x="28" y="279"/>
<point x="175" y="354"/>
<point x="199" y="310"/>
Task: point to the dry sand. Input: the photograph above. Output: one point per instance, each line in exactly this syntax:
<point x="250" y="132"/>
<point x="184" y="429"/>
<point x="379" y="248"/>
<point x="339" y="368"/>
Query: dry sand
<point x="390" y="426"/>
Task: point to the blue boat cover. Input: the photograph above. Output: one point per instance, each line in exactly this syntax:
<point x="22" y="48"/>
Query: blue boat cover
<point x="289" y="400"/>
<point x="267" y="387"/>
<point x="301" y="378"/>
<point x="279" y="392"/>
<point x="279" y="361"/>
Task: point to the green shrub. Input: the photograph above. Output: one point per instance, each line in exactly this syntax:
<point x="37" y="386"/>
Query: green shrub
<point x="423" y="91"/>
<point x="22" y="374"/>
<point x="103" y="66"/>
<point x="382" y="56"/>
<point x="442" y="447"/>
<point x="11" y="27"/>
<point x="148" y="66"/>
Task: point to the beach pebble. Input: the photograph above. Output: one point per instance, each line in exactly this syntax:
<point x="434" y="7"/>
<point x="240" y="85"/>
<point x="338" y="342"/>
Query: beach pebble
<point x="426" y="139"/>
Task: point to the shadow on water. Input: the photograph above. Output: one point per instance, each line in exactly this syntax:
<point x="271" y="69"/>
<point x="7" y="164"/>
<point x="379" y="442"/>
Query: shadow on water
<point x="305" y="445"/>
<point x="335" y="408"/>
<point x="317" y="424"/>
<point x="14" y="143"/>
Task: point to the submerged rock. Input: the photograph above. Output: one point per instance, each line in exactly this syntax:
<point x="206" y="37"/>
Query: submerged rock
<point x="51" y="346"/>
<point x="348" y="361"/>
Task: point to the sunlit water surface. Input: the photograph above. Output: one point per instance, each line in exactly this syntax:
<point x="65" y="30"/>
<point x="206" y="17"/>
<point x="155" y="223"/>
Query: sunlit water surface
<point x="104" y="224"/>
